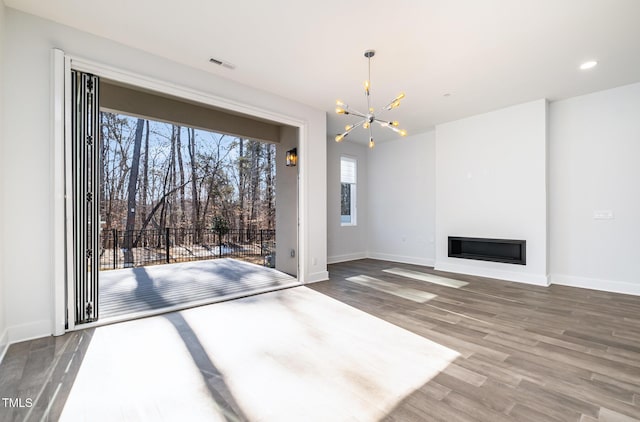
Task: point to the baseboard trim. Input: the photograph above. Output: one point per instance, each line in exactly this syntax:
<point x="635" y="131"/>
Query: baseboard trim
<point x="4" y="344"/>
<point x="23" y="332"/>
<point x="315" y="277"/>
<point x="596" y="284"/>
<point x="346" y="257"/>
<point x="29" y="331"/>
<point x="414" y="260"/>
<point x="535" y="279"/>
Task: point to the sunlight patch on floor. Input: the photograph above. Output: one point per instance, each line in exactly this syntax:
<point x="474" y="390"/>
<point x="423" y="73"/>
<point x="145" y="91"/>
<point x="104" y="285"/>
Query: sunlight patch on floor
<point x="140" y="370"/>
<point x="392" y="288"/>
<point x="299" y="355"/>
<point x="289" y="355"/>
<point x="430" y="278"/>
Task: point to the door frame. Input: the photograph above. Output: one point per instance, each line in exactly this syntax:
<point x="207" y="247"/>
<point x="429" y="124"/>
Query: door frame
<point x="63" y="280"/>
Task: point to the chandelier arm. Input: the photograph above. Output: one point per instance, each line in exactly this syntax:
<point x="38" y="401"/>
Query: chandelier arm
<point x="402" y="132"/>
<point x="371" y="142"/>
<point x="356" y="125"/>
<point x="388" y="106"/>
<point x="368" y="99"/>
<point x="394" y="101"/>
<point x="383" y="123"/>
<point x="357" y="113"/>
<point x="348" y="131"/>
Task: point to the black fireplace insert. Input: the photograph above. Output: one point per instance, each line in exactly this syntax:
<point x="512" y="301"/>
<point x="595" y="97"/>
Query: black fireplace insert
<point x="497" y="250"/>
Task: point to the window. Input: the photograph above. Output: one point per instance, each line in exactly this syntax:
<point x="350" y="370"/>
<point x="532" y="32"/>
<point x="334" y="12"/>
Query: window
<point x="348" y="173"/>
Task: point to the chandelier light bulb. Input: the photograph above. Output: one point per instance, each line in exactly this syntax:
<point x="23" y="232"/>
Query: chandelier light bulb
<point x="395" y="123"/>
<point x="339" y="138"/>
<point x="371" y="143"/>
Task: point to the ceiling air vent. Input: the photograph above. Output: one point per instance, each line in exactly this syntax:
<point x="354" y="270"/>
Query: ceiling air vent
<point x="222" y="63"/>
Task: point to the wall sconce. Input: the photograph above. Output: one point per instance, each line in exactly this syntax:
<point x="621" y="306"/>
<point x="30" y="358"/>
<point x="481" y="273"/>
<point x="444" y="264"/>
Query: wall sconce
<point x="292" y="157"/>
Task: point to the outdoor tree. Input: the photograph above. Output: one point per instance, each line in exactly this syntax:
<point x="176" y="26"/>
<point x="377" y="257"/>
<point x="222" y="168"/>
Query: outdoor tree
<point x="131" y="196"/>
<point x="157" y="176"/>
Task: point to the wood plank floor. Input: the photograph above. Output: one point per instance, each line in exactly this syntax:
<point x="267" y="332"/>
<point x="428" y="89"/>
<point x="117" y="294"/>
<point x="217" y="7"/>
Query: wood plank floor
<point x="132" y="291"/>
<point x="526" y="353"/>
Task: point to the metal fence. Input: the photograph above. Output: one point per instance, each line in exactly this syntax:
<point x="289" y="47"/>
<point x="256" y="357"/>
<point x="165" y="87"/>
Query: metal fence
<point x="137" y="248"/>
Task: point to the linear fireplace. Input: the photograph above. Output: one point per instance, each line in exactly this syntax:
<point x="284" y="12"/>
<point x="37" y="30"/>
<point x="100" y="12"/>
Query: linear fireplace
<point x="496" y="250"/>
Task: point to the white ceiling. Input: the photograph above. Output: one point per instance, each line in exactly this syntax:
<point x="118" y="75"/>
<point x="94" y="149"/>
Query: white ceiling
<point x="486" y="54"/>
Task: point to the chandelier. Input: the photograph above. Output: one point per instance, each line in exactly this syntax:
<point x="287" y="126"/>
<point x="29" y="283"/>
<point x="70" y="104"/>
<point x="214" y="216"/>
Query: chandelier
<point x="369" y="117"/>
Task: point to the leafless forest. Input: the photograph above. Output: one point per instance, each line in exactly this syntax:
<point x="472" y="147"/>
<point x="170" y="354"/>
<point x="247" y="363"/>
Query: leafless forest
<point x="158" y="176"/>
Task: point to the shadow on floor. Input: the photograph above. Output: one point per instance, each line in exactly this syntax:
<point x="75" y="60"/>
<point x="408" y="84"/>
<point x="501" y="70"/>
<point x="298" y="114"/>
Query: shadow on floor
<point x="214" y="380"/>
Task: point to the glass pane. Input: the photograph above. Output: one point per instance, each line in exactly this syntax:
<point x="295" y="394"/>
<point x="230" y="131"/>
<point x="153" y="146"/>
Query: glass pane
<point x="345" y="203"/>
<point x="347" y="170"/>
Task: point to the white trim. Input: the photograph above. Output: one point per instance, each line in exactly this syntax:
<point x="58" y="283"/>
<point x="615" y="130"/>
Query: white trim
<point x="58" y="181"/>
<point x="346" y="257"/>
<point x="130" y="78"/>
<point x="535" y="279"/>
<point x="303" y="199"/>
<point x="68" y="173"/>
<point x="610" y="286"/>
<point x="319" y="276"/>
<point x="29" y="331"/>
<point x="414" y="260"/>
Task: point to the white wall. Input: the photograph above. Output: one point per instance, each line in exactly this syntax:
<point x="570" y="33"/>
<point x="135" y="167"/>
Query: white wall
<point x="287" y="204"/>
<point x="402" y="202"/>
<point x="533" y="171"/>
<point x="26" y="162"/>
<point x="594" y="166"/>
<point x="345" y="243"/>
<point x="3" y="326"/>
<point x="491" y="183"/>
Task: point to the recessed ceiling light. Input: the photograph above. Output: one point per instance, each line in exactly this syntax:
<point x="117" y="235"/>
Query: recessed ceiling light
<point x="588" y="65"/>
